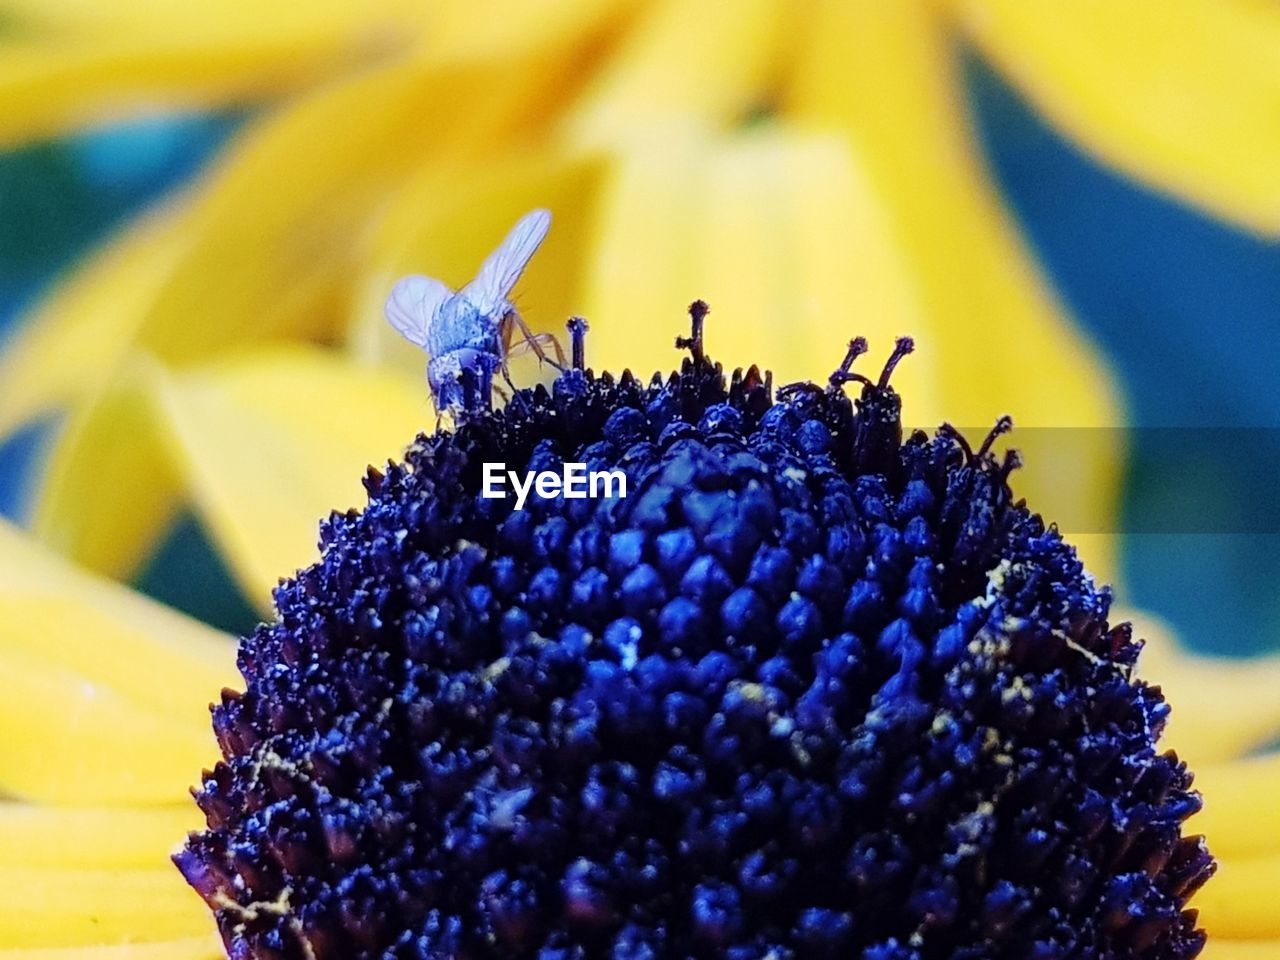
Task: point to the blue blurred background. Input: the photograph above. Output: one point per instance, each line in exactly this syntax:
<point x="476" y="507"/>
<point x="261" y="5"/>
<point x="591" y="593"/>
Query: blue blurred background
<point x="1185" y="307"/>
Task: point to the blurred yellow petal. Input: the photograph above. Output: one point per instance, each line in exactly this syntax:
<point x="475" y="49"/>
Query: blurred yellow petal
<point x="683" y="66"/>
<point x="95" y="837"/>
<point x="50" y="85"/>
<point x="461" y="31"/>
<point x="277" y="232"/>
<point x="452" y="31"/>
<point x="272" y="442"/>
<point x="255" y="255"/>
<point x="57" y="907"/>
<point x="264" y="445"/>
<point x="265" y="248"/>
<point x="71" y="342"/>
<point x="1184" y="94"/>
<point x="157" y="673"/>
<point x="175" y="18"/>
<point x="1241" y="815"/>
<point x="70" y="739"/>
<point x="885" y="74"/>
<point x="811" y="256"/>
<point x="1223" y="707"/>
<point x="29" y="571"/>
<point x="112" y="707"/>
<point x="1219" y="949"/>
<point x="457" y="29"/>
<point x="191" y="948"/>
<point x="269" y="237"/>
<point x="446" y="230"/>
<point x="72" y="516"/>
<point x="1239" y="902"/>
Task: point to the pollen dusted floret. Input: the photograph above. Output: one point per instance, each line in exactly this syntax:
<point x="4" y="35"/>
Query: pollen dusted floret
<point x="809" y="691"/>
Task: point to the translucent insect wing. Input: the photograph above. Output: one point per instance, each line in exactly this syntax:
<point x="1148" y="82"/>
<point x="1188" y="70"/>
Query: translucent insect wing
<point x="413" y="304"/>
<point x="499" y="273"/>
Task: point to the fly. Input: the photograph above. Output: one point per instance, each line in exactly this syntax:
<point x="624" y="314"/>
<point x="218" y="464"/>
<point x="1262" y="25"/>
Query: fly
<point x="468" y="333"/>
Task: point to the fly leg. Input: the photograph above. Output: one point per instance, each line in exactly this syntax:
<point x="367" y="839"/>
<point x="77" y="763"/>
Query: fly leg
<point x="540" y="340"/>
<point x="536" y="341"/>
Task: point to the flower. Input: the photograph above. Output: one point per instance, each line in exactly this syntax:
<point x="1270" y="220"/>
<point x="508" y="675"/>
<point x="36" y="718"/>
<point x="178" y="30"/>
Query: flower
<point x="108" y="721"/>
<point x="184" y="359"/>
<point x="808" y="690"/>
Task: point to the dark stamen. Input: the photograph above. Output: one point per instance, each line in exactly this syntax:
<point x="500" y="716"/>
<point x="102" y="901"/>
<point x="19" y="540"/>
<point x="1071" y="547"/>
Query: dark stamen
<point x="698" y="311"/>
<point x="951" y="433"/>
<point x="904" y="346"/>
<point x="857" y="347"/>
<point x="1003" y="426"/>
<point x="578" y="335"/>
<point x="1012" y="461"/>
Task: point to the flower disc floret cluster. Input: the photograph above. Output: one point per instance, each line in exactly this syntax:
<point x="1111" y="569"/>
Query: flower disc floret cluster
<point x="811" y="690"/>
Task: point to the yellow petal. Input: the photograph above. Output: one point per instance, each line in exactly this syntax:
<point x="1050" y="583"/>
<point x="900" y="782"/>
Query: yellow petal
<point x="1184" y="94"/>
<point x="112" y="704"/>
<point x="270" y="234"/>
<point x="446" y="230"/>
<point x="256" y="254"/>
<point x="263" y="445"/>
<point x="72" y="516"/>
<point x="683" y="66"/>
<point x="1241" y="815"/>
<point x="174" y="18"/>
<point x="1239" y="902"/>
<point x="69" y="345"/>
<point x="157" y="673"/>
<point x="271" y="443"/>
<point x="53" y="907"/>
<point x="1222" y="707"/>
<point x="277" y="231"/>
<point x="190" y="948"/>
<point x="496" y="31"/>
<point x="264" y="248"/>
<point x="70" y="740"/>
<point x="453" y="31"/>
<point x="51" y="85"/>
<point x="93" y="837"/>
<point x="780" y="233"/>
<point x="28" y="571"/>
<point x="1220" y="949"/>
<point x="885" y="75"/>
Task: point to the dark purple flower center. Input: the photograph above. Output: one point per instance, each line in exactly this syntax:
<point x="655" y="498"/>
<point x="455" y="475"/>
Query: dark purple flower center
<point x="810" y="690"/>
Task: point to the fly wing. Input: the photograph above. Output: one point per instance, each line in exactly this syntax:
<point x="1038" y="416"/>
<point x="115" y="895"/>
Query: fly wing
<point x="499" y="273"/>
<point x="413" y="304"/>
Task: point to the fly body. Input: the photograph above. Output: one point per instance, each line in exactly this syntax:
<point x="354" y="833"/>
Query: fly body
<point x="469" y="333"/>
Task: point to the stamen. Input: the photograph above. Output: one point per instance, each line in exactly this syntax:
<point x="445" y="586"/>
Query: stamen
<point x="951" y="433"/>
<point x="1012" y="462"/>
<point x="1003" y="426"/>
<point x="578" y="337"/>
<point x="904" y="346"/>
<point x="698" y="311"/>
<point x="857" y="347"/>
